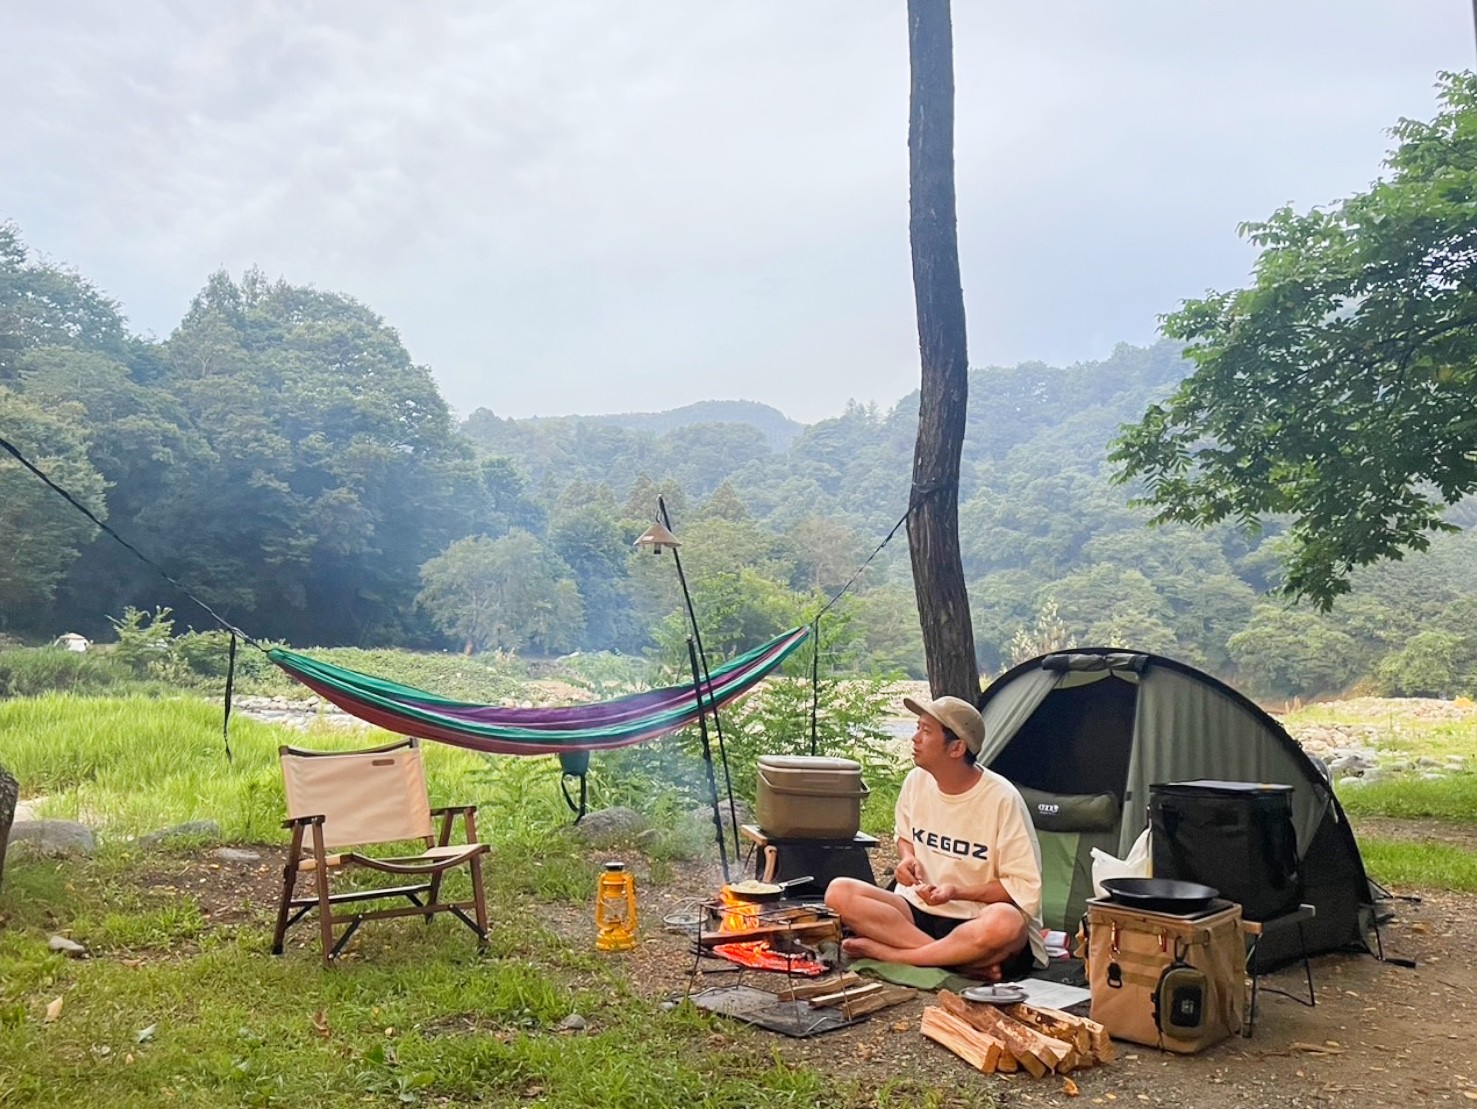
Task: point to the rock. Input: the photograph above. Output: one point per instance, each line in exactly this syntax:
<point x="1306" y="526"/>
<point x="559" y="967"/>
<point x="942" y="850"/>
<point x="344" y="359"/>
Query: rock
<point x="573" y="1023"/>
<point x="704" y="813"/>
<point x="70" y="948"/>
<point x="610" y="825"/>
<point x="293" y="713"/>
<point x="191" y="829"/>
<point x="236" y="855"/>
<point x="53" y="837"/>
<point x="1348" y="765"/>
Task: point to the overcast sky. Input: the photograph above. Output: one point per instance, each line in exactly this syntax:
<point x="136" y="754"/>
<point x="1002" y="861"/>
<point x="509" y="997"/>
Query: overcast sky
<point x="585" y="206"/>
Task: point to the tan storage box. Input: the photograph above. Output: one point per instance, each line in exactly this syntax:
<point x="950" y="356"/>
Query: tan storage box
<point x="803" y="797"/>
<point x="1171" y="982"/>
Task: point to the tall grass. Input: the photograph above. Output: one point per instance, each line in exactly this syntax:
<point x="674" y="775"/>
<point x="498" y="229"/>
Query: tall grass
<point x="1453" y="797"/>
<point x="134" y="764"/>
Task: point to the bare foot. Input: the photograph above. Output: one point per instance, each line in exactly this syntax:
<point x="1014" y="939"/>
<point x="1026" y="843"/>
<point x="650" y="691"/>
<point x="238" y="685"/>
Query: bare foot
<point x="859" y="947"/>
<point x="985" y="972"/>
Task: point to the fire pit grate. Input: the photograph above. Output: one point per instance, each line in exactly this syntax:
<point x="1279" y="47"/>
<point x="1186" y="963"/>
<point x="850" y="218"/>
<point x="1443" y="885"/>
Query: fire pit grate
<point x="755" y="1006"/>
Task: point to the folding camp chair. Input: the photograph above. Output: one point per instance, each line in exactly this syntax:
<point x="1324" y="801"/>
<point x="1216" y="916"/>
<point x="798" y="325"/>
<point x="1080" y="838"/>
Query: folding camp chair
<point x="361" y="798"/>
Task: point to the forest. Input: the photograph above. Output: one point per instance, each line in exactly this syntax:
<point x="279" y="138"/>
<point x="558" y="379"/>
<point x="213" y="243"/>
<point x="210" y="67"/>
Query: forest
<point x="282" y="457"/>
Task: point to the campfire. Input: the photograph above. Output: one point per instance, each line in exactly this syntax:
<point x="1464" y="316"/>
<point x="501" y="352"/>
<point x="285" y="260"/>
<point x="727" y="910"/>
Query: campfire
<point x="768" y="935"/>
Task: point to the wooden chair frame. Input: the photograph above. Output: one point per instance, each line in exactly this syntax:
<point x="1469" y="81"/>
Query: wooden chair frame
<point x="308" y="855"/>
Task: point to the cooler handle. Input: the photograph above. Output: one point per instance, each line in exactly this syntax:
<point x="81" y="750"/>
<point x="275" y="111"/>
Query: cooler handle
<point x="862" y="792"/>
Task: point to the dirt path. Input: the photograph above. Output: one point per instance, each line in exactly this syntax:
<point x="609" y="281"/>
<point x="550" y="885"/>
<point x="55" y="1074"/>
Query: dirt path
<point x="1384" y="1035"/>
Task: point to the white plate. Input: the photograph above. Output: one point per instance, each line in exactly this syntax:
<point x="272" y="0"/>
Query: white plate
<point x="1003" y="994"/>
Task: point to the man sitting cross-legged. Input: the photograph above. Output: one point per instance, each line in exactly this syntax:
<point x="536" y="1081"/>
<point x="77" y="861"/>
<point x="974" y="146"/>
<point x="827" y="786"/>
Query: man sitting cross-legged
<point x="969" y="867"/>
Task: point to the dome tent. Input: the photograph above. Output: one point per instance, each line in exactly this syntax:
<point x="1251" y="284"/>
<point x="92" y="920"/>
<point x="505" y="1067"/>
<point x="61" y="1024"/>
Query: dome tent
<point x="1084" y="733"/>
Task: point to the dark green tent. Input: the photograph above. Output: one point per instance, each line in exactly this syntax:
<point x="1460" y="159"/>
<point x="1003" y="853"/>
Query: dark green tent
<point x="1084" y="733"/>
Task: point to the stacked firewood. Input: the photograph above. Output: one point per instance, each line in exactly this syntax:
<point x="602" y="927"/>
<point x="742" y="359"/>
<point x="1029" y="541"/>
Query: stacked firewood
<point x="1016" y="1037"/>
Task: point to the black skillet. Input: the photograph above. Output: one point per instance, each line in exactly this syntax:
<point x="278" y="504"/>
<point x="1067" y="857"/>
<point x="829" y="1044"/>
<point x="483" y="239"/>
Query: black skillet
<point x="1160" y="895"/>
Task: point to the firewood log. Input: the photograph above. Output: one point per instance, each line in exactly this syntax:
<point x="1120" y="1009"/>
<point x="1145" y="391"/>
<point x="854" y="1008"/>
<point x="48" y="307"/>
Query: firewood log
<point x="971" y="1045"/>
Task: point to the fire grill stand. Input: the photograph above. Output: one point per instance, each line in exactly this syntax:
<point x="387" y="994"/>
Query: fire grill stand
<point x="748" y="1003"/>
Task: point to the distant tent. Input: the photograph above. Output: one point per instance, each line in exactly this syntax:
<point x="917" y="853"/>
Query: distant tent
<point x="1085" y="733"/>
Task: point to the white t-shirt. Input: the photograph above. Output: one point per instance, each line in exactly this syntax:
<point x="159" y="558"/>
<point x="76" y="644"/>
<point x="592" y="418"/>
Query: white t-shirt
<point x="981" y="835"/>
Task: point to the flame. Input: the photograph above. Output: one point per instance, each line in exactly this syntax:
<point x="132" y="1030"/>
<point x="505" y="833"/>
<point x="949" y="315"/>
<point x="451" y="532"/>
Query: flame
<point x="739" y="915"/>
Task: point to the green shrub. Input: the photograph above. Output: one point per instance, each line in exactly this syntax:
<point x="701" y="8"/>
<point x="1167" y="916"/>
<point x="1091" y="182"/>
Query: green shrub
<point x="144" y="643"/>
<point x="660" y="778"/>
<point x="33" y="671"/>
<point x="208" y="655"/>
<point x="1432" y="664"/>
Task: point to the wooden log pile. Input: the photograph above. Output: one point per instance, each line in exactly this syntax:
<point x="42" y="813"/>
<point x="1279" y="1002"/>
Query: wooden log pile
<point x="1016" y="1037"/>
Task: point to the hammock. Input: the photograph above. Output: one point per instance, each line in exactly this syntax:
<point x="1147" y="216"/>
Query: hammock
<point x="563" y="730"/>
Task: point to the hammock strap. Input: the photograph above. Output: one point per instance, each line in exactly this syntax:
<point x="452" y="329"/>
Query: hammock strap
<point x="575" y="764"/>
<point x="230" y="688"/>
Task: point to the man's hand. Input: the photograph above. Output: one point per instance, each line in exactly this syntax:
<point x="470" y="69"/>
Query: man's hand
<point x="937" y="895"/>
<point x="908" y="872"/>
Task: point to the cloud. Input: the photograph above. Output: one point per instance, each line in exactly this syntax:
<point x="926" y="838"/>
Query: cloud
<point x="588" y="206"/>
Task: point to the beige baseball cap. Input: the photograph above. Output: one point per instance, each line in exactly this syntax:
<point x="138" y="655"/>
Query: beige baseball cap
<point x="956" y="714"/>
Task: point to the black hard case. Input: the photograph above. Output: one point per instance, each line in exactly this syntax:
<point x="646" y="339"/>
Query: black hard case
<point x="1235" y="836"/>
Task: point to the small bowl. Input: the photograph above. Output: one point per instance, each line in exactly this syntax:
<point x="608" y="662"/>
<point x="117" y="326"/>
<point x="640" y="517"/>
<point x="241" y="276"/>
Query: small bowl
<point x="680" y="923"/>
<point x="1002" y="993"/>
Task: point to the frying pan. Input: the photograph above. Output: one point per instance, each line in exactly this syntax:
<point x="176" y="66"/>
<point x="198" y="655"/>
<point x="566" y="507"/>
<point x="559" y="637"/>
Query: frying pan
<point x="752" y="890"/>
<point x="1160" y="895"/>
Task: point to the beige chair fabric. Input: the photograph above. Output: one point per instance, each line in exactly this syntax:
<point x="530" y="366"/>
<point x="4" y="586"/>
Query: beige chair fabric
<point x="364" y="796"/>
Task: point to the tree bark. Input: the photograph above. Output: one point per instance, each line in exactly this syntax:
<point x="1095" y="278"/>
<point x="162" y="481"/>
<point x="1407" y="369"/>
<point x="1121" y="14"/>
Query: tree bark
<point x="10" y="791"/>
<point x="933" y="521"/>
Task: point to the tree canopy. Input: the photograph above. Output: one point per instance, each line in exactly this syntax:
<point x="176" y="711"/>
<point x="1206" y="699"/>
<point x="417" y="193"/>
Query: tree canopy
<point x="1338" y="389"/>
<point x="282" y="456"/>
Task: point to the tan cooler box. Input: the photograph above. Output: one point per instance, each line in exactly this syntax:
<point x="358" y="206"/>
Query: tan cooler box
<point x="803" y="797"/>
<point x="1172" y="982"/>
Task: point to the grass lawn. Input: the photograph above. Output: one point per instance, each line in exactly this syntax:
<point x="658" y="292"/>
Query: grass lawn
<point x="172" y="1009"/>
<point x="1423" y="828"/>
<point x="181" y="1003"/>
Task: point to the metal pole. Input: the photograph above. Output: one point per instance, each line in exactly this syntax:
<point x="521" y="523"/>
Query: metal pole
<point x="697" y="635"/>
<point x="702" y="724"/>
<point x="816" y="672"/>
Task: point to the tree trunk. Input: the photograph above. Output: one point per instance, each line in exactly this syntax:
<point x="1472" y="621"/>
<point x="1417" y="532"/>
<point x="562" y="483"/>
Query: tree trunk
<point x="933" y="523"/>
<point x="10" y="791"/>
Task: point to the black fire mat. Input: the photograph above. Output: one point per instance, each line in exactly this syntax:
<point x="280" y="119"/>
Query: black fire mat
<point x="753" y="1006"/>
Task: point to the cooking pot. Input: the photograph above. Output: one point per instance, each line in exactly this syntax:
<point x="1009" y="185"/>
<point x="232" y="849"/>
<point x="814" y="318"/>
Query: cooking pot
<point x="754" y="890"/>
<point x="1160" y="895"/>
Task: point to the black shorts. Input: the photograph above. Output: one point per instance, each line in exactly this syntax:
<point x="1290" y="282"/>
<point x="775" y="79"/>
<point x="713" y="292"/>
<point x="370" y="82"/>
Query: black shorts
<point x="936" y="927"/>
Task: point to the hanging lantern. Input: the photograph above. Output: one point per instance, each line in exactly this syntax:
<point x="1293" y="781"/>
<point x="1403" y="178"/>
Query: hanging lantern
<point x="657" y="539"/>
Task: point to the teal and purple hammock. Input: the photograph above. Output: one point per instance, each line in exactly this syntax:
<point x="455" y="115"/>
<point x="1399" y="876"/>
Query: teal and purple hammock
<point x="563" y="730"/>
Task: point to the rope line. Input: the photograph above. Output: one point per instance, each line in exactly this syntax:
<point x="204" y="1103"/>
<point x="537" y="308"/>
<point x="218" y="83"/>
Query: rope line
<point x="145" y="559"/>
